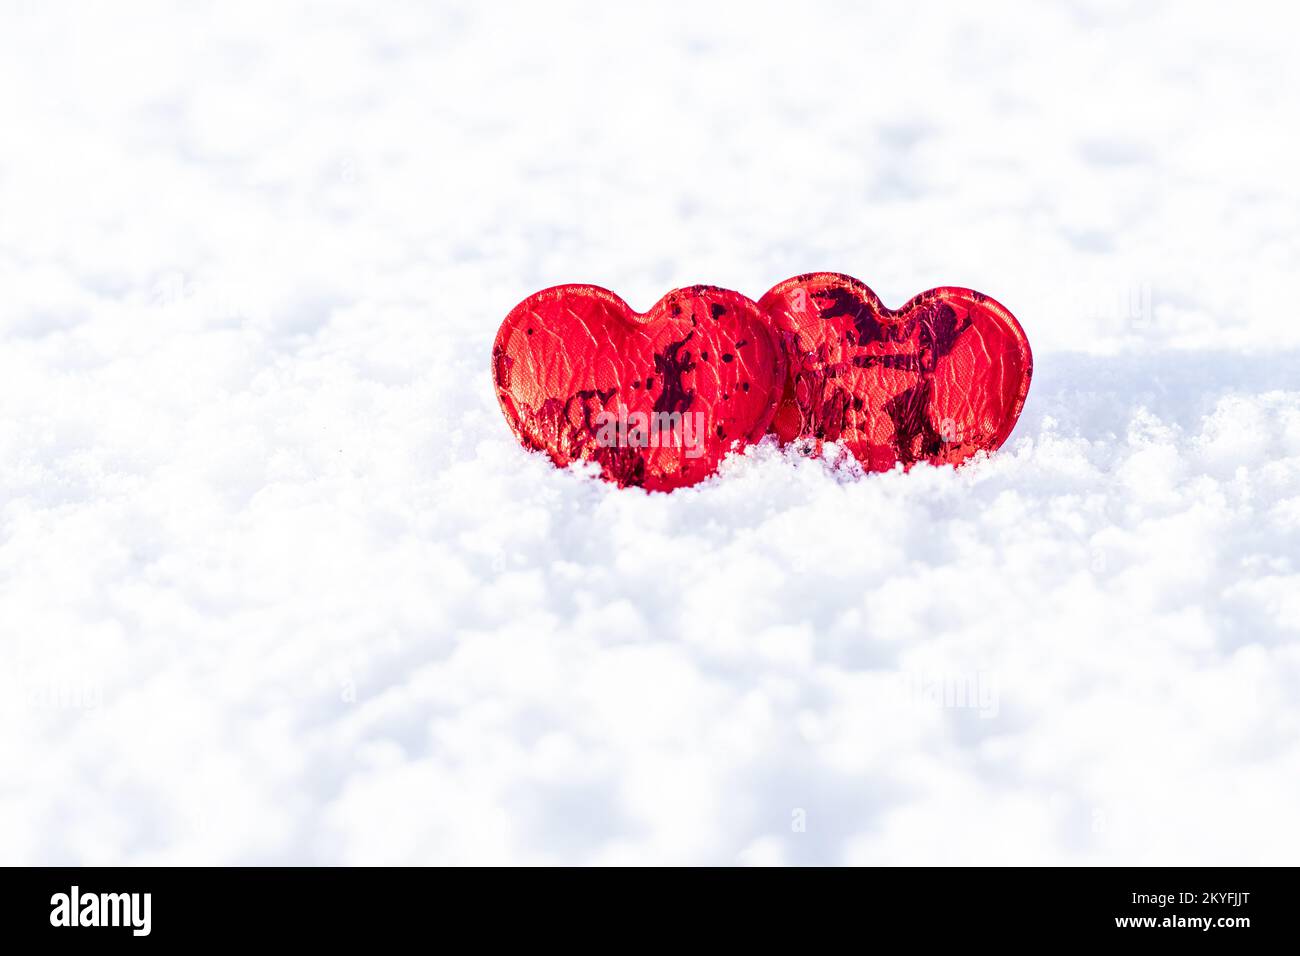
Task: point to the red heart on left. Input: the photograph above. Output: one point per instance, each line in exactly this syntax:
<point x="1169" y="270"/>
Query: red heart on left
<point x="655" y="399"/>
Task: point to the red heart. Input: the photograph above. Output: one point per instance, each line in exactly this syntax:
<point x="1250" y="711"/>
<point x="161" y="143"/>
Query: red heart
<point x="656" y="399"/>
<point x="938" y="380"/>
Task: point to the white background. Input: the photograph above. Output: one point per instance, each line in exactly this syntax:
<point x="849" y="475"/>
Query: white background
<point x="278" y="586"/>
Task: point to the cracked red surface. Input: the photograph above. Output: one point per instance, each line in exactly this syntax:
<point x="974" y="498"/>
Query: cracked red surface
<point x="571" y="362"/>
<point x="938" y="380"/>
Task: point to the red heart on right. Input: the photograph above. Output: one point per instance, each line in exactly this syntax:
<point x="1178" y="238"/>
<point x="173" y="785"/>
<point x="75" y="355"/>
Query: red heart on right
<point x="938" y="380"/>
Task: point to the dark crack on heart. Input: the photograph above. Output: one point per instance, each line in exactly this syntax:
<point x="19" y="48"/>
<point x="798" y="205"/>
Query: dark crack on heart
<point x="675" y="397"/>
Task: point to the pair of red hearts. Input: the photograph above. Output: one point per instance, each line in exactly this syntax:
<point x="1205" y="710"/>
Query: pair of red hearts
<point x="658" y="399"/>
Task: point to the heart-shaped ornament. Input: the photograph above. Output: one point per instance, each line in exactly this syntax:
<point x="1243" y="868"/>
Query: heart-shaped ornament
<point x="655" y="399"/>
<point x="938" y="380"/>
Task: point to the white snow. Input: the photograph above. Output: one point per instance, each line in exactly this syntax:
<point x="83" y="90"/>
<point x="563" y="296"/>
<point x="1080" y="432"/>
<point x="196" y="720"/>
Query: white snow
<point x="278" y="586"/>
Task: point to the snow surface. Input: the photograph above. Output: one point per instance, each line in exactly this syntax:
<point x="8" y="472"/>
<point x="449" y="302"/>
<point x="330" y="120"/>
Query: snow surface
<point x="278" y="586"/>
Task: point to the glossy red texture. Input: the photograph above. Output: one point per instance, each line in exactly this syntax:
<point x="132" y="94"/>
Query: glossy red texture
<point x="697" y="374"/>
<point x="938" y="380"/>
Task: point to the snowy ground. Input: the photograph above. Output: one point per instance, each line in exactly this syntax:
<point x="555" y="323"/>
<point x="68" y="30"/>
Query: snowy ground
<point x="277" y="585"/>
